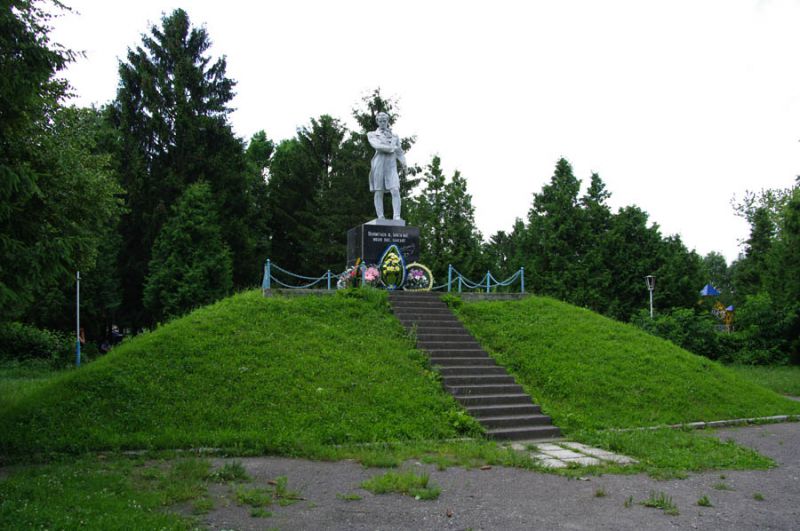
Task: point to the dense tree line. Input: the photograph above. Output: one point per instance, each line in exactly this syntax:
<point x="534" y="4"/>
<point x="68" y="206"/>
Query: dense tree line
<point x="162" y="208"/>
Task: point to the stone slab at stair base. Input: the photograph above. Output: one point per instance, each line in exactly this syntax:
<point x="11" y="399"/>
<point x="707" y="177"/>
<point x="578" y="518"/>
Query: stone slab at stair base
<point x="486" y="390"/>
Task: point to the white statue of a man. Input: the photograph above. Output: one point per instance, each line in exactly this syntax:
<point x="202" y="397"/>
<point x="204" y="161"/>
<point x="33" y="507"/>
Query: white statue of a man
<point x="383" y="172"/>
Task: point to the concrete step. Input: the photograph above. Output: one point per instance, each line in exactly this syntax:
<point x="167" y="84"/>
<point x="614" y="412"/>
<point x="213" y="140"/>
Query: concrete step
<point x="493" y="400"/>
<point x="513" y="421"/>
<point x="469" y="370"/>
<point x="438" y="322"/>
<point x="477" y="379"/>
<point x="408" y="295"/>
<point x="531" y="433"/>
<point x="418" y="303"/>
<point x="485" y="389"/>
<point x="426" y="313"/>
<point x="498" y="410"/>
<point x="467" y="344"/>
<point x="446" y="361"/>
<point x="456" y="352"/>
<point x="453" y="335"/>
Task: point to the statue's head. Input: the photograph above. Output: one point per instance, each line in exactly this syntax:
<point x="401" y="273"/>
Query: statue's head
<point x="382" y="118"/>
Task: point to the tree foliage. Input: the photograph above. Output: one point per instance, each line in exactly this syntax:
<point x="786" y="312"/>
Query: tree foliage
<point x="171" y="117"/>
<point x="444" y="213"/>
<point x="191" y="264"/>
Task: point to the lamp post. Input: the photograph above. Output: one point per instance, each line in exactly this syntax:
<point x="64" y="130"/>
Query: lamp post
<point x="77" y="318"/>
<point x="651" y="286"/>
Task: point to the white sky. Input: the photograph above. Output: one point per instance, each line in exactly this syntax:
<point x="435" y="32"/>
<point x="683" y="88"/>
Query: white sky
<point x="678" y="105"/>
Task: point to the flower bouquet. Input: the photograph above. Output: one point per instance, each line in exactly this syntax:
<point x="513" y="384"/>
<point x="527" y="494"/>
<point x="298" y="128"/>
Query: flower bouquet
<point x="372" y="276"/>
<point x="418" y="278"/>
<point x="349" y="278"/>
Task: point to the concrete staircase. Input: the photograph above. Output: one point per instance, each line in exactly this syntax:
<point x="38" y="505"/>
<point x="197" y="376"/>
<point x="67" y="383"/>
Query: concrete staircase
<point x="485" y="389"/>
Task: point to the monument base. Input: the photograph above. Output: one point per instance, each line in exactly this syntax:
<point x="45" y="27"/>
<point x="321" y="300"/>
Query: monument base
<point x="370" y="240"/>
<point x="387" y="222"/>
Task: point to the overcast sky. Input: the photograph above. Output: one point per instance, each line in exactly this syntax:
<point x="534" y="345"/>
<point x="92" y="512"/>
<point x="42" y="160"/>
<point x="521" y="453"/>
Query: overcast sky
<point x="678" y="105"/>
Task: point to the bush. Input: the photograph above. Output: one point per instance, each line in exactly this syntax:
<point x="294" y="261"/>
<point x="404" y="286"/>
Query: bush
<point x="21" y="342"/>
<point x="696" y="332"/>
<point x="761" y="337"/>
<point x="761" y="332"/>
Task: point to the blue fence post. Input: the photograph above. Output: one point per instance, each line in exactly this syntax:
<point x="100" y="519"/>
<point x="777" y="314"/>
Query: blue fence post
<point x="449" y="276"/>
<point x="363" y="270"/>
<point x="329" y="279"/>
<point x="488" y="276"/>
<point x="522" y="279"/>
<point x="459" y="283"/>
<point x="265" y="284"/>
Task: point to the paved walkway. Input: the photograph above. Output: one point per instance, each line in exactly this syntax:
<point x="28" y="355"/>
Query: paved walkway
<point x="564" y="454"/>
<point x="506" y="498"/>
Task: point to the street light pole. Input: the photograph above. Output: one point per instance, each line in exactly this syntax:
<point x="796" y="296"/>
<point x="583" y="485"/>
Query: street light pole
<point x="78" y="319"/>
<point x="651" y="286"/>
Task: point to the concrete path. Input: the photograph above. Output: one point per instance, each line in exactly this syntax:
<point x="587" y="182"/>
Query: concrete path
<point x="503" y="498"/>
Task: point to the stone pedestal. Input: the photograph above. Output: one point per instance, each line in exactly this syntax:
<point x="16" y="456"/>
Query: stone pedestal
<point x="368" y="241"/>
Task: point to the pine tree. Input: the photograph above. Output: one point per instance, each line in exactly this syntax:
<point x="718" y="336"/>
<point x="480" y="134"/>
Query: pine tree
<point x="554" y="235"/>
<point x="171" y="116"/>
<point x="191" y="264"/>
<point x="444" y="213"/>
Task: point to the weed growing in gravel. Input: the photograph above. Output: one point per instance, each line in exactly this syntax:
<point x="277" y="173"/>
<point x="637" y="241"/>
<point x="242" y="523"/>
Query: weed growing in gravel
<point x="722" y="486"/>
<point x="407" y="483"/>
<point x="704" y="501"/>
<point x="661" y="501"/>
<point x="757" y="496"/>
<point x="202" y="506"/>
<point x="600" y="493"/>
<point x="254" y="497"/>
<point x="260" y="512"/>
<point x="629" y="502"/>
<point x="233" y="471"/>
<point x="282" y="493"/>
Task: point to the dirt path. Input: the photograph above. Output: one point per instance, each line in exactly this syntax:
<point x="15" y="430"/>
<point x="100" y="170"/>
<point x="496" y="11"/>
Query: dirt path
<point x="503" y="498"/>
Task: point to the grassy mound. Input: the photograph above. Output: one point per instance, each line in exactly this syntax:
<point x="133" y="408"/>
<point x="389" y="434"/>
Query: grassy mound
<point x="590" y="372"/>
<point x="276" y="375"/>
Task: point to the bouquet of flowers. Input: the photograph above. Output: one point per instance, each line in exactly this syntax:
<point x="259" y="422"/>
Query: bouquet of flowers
<point x="349" y="278"/>
<point x="418" y="277"/>
<point x="372" y="276"/>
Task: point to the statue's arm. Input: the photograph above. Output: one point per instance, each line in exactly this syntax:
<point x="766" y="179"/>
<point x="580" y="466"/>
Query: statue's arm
<point x="401" y="156"/>
<point x="375" y="142"/>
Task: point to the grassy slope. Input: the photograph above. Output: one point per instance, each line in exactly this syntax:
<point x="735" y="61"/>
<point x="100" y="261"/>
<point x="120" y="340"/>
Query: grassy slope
<point x="783" y="379"/>
<point x="590" y="372"/>
<point x="275" y="375"/>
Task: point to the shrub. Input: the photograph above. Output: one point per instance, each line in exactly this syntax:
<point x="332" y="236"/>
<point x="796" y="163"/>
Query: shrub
<point x="696" y="332"/>
<point x="21" y="342"/>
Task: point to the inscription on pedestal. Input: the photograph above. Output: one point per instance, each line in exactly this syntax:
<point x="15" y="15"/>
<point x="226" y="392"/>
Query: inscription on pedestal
<point x="369" y="241"/>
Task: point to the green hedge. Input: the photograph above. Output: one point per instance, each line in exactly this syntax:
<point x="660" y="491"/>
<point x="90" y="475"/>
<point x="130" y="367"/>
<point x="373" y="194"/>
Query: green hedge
<point x="19" y="341"/>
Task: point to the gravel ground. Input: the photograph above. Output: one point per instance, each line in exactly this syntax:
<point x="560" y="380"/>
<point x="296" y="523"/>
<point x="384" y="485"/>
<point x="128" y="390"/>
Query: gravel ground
<point x="506" y="498"/>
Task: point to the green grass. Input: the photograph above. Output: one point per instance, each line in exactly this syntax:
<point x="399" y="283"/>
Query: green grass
<point x="415" y="485"/>
<point x="264" y="375"/>
<point x="101" y="494"/>
<point x="669" y="453"/>
<point x="781" y="379"/>
<point x="590" y="372"/>
<point x="703" y="501"/>
<point x="19" y="380"/>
